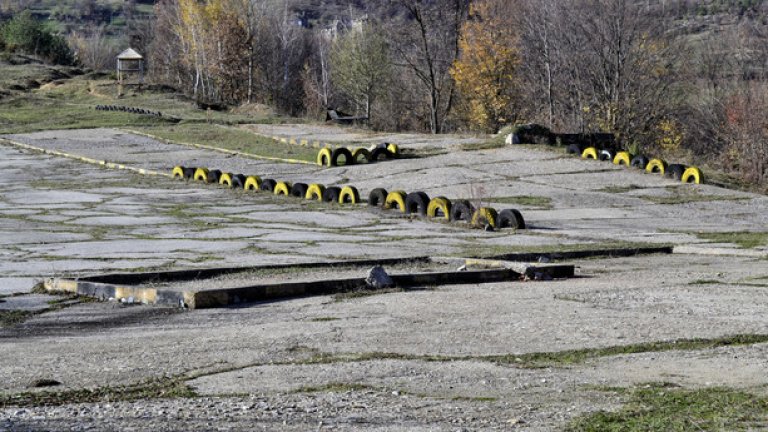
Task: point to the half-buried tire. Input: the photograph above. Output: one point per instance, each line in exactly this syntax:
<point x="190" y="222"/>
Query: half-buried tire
<point x="178" y="171"/>
<point x="692" y="175"/>
<point x="361" y="155"/>
<point x="238" y="181"/>
<point x="417" y="203"/>
<point x="511" y="218"/>
<point x="338" y="153"/>
<point x="252" y="183"/>
<point x="380" y="154"/>
<point x="639" y="162"/>
<point x="676" y="171"/>
<point x="282" y="188"/>
<point x="485" y="216"/>
<point x="299" y="190"/>
<point x="268" y="185"/>
<point x="462" y="210"/>
<point x="622" y="158"/>
<point x="201" y="174"/>
<point x="189" y="173"/>
<point x="315" y="192"/>
<point x="656" y="166"/>
<point x="573" y="149"/>
<point x="214" y="176"/>
<point x="225" y="179"/>
<point x="331" y="194"/>
<point x="377" y="197"/>
<point x="395" y="199"/>
<point x="349" y="195"/>
<point x="439" y="207"/>
<point x="324" y="157"/>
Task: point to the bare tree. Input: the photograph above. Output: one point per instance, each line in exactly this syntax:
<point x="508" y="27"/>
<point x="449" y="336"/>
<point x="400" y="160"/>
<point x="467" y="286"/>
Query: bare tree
<point x="424" y="37"/>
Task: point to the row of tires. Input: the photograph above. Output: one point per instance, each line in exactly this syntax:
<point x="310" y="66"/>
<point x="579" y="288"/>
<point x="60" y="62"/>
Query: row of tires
<point x="680" y="172"/>
<point x="441" y="207"/>
<point x="128" y="110"/>
<point x="417" y="203"/>
<point x="313" y="191"/>
<point x="333" y="157"/>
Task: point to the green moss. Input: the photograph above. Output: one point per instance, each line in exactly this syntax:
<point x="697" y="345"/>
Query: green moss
<point x="165" y="387"/>
<point x="744" y="239"/>
<point x="539" y="202"/>
<point x="664" y="408"/>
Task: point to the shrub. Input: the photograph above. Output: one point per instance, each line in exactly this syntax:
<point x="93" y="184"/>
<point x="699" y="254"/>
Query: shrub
<point x="25" y="34"/>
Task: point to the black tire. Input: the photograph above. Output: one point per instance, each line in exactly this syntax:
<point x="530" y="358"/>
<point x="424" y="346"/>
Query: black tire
<point x="268" y="185"/>
<point x="606" y="155"/>
<point x="377" y="197"/>
<point x="574" y="149"/>
<point x="214" y="176"/>
<point x="462" y="210"/>
<point x="378" y="153"/>
<point x="675" y="171"/>
<point x="416" y="202"/>
<point x="331" y="194"/>
<point x="341" y="151"/>
<point x="639" y="162"/>
<point x="510" y="218"/>
<point x="238" y="181"/>
<point x="189" y="173"/>
<point x="299" y="190"/>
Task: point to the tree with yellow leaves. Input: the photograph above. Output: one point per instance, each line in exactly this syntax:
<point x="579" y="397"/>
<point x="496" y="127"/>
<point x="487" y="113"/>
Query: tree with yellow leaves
<point x="485" y="73"/>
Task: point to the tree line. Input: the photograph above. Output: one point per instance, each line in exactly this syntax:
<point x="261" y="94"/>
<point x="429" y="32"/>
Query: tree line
<point x="675" y="78"/>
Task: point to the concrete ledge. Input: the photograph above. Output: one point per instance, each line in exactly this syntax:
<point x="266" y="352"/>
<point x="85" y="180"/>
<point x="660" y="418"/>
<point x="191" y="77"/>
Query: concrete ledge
<point x="138" y="287"/>
<point x="617" y="252"/>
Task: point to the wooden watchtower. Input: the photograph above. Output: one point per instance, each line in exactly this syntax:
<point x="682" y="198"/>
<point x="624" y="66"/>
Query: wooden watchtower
<point x="130" y="68"/>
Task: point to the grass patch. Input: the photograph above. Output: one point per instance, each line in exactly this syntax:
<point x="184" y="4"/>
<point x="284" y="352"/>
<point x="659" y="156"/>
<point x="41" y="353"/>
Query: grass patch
<point x="550" y="359"/>
<point x="229" y="138"/>
<point x="685" y="195"/>
<point x="620" y="189"/>
<point x="661" y="408"/>
<point x="562" y="358"/>
<point x="335" y="387"/>
<point x="539" y="202"/>
<point x="10" y="318"/>
<point x="158" y="388"/>
<point x="746" y="240"/>
<point x="705" y="282"/>
<point x="350" y="295"/>
<point x="485" y="145"/>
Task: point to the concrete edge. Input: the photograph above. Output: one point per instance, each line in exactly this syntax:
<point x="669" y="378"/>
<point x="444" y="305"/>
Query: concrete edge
<point x="591" y="253"/>
<point x="266" y="292"/>
<point x="192" y="274"/>
<point x="84" y="159"/>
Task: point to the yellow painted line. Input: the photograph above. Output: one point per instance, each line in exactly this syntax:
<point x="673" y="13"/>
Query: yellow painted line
<point x="219" y="149"/>
<point x="83" y="158"/>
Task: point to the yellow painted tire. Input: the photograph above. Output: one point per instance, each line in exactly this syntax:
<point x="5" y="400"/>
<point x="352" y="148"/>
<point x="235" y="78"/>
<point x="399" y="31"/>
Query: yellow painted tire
<point x="622" y="158"/>
<point x="485" y="215"/>
<point x="439" y="203"/>
<point x="315" y="192"/>
<point x="178" y="172"/>
<point x="656" y="166"/>
<point x="282" y="188"/>
<point x="349" y="195"/>
<point x="588" y="153"/>
<point x="225" y="179"/>
<point x="201" y="174"/>
<point x="691" y="175"/>
<point x="395" y="198"/>
<point x="324" y="157"/>
<point x="394" y="149"/>
<point x="361" y="152"/>
<point x="252" y="183"/>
